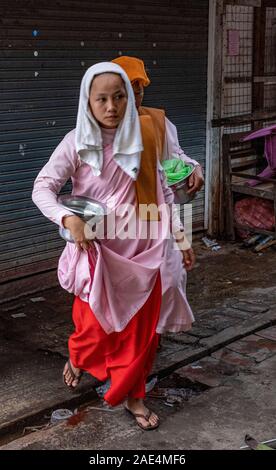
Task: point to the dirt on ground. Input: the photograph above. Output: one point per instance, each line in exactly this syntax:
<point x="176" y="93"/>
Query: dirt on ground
<point x="228" y="272"/>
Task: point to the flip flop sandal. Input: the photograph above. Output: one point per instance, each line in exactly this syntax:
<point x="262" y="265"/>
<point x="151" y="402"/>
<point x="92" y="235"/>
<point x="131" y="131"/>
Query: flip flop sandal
<point x="147" y="416"/>
<point x="73" y="375"/>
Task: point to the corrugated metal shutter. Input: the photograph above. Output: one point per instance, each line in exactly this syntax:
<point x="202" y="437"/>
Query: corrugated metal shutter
<point x="45" y="47"/>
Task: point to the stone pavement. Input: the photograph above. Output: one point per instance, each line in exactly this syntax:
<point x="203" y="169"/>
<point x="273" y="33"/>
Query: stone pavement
<point x="232" y="293"/>
<point x="230" y="394"/>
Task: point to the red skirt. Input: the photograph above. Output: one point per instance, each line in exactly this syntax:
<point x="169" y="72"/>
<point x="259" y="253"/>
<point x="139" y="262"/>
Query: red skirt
<point x="126" y="358"/>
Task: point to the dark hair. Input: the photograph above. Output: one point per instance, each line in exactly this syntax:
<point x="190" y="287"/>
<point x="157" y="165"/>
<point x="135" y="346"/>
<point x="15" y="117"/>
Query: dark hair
<point x="103" y="73"/>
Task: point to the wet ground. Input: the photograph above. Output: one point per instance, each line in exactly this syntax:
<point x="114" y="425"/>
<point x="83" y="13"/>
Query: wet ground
<point x="226" y="273"/>
<point x="232" y="293"/>
<point x="210" y="404"/>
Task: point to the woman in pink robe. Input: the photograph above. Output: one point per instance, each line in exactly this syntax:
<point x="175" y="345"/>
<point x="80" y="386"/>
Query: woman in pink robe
<point x="116" y="282"/>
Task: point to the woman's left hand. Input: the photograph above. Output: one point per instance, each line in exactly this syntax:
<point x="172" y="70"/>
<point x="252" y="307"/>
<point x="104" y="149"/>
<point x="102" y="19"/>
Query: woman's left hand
<point x="188" y="259"/>
<point x="196" y="180"/>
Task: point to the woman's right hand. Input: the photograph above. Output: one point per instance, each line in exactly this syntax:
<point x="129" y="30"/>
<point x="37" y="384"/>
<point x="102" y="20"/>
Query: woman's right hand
<point x="76" y="227"/>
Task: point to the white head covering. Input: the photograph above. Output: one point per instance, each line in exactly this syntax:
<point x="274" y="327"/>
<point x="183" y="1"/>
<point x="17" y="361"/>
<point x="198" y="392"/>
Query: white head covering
<point x="127" y="144"/>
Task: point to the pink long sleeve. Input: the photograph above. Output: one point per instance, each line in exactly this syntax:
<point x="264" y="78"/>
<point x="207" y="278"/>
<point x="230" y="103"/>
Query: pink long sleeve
<point x="176" y="223"/>
<point x="53" y="176"/>
<point x="172" y="146"/>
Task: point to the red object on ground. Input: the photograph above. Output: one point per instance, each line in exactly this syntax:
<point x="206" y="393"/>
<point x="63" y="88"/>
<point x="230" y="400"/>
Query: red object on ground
<point x="254" y="212"/>
<point x="125" y="357"/>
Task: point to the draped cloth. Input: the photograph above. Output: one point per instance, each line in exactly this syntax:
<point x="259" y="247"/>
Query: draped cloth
<point x="125" y="358"/>
<point x="159" y="126"/>
<point x="134" y="68"/>
<point x="146" y="189"/>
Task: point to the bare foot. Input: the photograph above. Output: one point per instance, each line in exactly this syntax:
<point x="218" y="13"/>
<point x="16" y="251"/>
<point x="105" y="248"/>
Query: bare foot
<point x="71" y="375"/>
<point x="136" y="406"/>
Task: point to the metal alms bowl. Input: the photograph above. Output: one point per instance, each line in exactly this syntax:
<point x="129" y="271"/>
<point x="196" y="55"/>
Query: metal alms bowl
<point x="86" y="208"/>
<point x="180" y="190"/>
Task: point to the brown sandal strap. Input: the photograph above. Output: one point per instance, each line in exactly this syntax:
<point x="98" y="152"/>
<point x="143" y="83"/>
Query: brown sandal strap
<point x="74" y="376"/>
<point x="146" y="417"/>
<point x="139" y="415"/>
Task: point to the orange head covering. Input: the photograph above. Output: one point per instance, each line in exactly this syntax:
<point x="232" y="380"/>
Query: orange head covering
<point x="134" y="68"/>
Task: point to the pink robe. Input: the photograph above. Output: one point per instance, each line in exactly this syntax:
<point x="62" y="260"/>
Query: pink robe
<point x="125" y="271"/>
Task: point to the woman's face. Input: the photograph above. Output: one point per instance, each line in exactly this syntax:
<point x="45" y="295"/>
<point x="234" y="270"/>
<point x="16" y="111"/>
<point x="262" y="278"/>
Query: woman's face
<point x="108" y="99"/>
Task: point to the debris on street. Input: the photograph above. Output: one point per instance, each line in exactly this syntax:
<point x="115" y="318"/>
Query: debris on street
<point x="29" y="429"/>
<point x="97" y="408"/>
<point x="265" y="242"/>
<point x="151" y="384"/>
<point x="60" y="415"/>
<point x="102" y="389"/>
<point x="18" y="315"/>
<point x="255" y="445"/>
<point x="37" y="299"/>
<point x="252" y="240"/>
<point x="213" y="244"/>
<point x="259" y="242"/>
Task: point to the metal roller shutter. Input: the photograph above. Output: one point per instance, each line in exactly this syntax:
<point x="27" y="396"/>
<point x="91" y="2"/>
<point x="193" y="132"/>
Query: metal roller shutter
<point x="45" y="47"/>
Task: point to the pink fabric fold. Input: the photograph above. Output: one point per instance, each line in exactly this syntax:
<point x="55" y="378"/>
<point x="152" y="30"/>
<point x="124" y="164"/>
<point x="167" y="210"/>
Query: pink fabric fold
<point x="119" y="281"/>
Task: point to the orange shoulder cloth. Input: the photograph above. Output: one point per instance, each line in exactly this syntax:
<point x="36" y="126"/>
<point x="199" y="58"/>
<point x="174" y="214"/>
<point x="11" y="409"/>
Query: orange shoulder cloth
<point x="146" y="185"/>
<point x="158" y="120"/>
